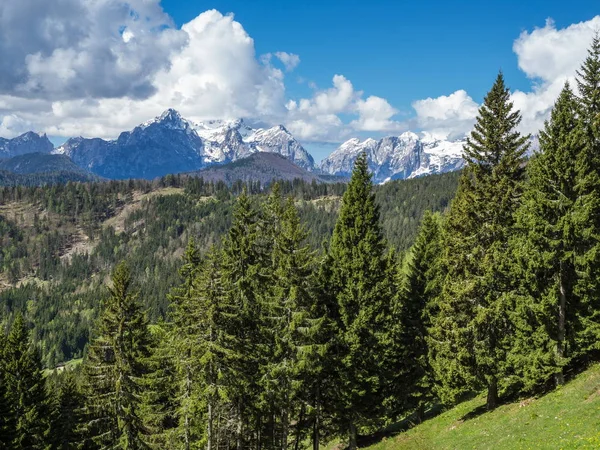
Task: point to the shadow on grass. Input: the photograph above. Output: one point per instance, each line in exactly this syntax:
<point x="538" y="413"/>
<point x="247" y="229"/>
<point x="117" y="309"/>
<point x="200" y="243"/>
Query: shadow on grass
<point x="398" y="427"/>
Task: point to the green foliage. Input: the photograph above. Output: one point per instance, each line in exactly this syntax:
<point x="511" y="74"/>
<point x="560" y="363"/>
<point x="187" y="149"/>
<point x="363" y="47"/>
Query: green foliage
<point x="546" y="245"/>
<point x="26" y="391"/>
<point x="421" y="287"/>
<point x="361" y="288"/>
<point x="117" y="360"/>
<point x="472" y="330"/>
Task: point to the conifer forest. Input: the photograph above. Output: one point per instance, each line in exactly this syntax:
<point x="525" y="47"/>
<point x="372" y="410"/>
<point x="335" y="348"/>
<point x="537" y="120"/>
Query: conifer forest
<point x="200" y="315"/>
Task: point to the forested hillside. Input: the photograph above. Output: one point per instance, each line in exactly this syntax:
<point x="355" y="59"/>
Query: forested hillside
<point x="60" y="242"/>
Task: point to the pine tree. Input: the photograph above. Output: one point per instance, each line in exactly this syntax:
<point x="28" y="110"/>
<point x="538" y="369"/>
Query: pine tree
<point x="291" y="317"/>
<point x="212" y="342"/>
<point x="182" y="336"/>
<point x="359" y="284"/>
<point x="26" y="388"/>
<point x="546" y="247"/>
<point x="67" y="418"/>
<point x="243" y="275"/>
<point x="421" y="287"/>
<point x="7" y="415"/>
<point x="116" y="362"/>
<point x="587" y="208"/>
<point x="160" y="391"/>
<point x="472" y="330"/>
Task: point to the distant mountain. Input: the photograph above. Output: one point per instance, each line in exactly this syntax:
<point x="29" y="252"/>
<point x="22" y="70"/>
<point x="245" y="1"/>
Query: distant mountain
<point x="41" y="162"/>
<point x="38" y="169"/>
<point x="264" y="167"/>
<point x="402" y="157"/>
<point x="29" y="142"/>
<point x="172" y="144"/>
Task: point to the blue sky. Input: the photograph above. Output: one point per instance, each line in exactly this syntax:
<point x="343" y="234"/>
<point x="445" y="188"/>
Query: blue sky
<point x="328" y="70"/>
<point x="399" y="50"/>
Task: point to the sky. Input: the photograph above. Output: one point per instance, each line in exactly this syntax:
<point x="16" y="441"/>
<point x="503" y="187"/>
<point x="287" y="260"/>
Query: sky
<point x="328" y="70"/>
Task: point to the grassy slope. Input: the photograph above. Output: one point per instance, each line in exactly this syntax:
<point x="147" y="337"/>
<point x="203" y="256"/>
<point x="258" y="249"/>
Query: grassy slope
<point x="567" y="418"/>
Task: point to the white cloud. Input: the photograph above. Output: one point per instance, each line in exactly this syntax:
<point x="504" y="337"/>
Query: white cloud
<point x="447" y="116"/>
<point x="318" y="117"/>
<point x="550" y="57"/>
<point x="289" y="60"/>
<point x="547" y="55"/>
<point x="375" y="114"/>
<point x="98" y="68"/>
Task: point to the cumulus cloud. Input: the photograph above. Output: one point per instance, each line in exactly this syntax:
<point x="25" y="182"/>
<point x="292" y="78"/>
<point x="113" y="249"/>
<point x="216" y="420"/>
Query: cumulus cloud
<point x="98" y="68"/>
<point x="548" y="56"/>
<point x="289" y="60"/>
<point x="375" y="114"/>
<point x="68" y="49"/>
<point x="447" y="116"/>
<point x="318" y="117"/>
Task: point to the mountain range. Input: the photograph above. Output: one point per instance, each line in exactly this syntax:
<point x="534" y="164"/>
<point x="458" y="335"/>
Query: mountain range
<point x="171" y="144"/>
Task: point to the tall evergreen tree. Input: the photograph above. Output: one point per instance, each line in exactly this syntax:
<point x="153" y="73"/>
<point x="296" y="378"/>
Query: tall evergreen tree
<point x="213" y="342"/>
<point x="472" y="329"/>
<point x="182" y="337"/>
<point x="7" y="415"/>
<point x="67" y="418"/>
<point x="243" y="273"/>
<point x="26" y="388"/>
<point x="116" y="362"/>
<point x="359" y="268"/>
<point x="587" y="207"/>
<point x="420" y="289"/>
<point x="292" y="317"/>
<point x="546" y="246"/>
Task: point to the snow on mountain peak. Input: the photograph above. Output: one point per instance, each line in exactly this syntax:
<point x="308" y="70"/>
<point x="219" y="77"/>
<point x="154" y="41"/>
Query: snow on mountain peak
<point x="405" y="156"/>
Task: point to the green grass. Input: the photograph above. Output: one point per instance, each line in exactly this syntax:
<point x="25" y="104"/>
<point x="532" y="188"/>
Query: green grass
<point x="567" y="418"/>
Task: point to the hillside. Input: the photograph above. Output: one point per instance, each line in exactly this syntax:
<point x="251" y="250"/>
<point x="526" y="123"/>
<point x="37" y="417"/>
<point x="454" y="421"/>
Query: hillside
<point x="40" y="169"/>
<point x="567" y="418"/>
<point x="263" y="167"/>
<point x="61" y="242"/>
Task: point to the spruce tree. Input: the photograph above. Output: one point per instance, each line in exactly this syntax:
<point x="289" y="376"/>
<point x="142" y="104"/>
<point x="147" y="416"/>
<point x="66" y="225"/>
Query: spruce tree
<point x="67" y="418"/>
<point x="292" y="318"/>
<point x="7" y="414"/>
<point x="26" y="388"/>
<point x="472" y="329"/>
<point x="212" y="342"/>
<point x="243" y="275"/>
<point x="546" y="246"/>
<point x="587" y="208"/>
<point x="420" y="289"/>
<point x="116" y="362"/>
<point x="182" y="337"/>
<point x="359" y="283"/>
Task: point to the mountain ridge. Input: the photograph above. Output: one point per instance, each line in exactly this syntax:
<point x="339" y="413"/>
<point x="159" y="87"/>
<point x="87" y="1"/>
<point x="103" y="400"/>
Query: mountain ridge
<point x="170" y="143"/>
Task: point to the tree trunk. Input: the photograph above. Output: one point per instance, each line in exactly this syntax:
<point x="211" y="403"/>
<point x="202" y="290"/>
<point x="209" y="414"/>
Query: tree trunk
<point x="492" y="395"/>
<point x="299" y="427"/>
<point x="284" y="429"/>
<point x="562" y="306"/>
<point x="317" y="422"/>
<point x="209" y="428"/>
<point x="240" y="429"/>
<point x="419" y="413"/>
<point x="352" y="437"/>
<point x="188" y="389"/>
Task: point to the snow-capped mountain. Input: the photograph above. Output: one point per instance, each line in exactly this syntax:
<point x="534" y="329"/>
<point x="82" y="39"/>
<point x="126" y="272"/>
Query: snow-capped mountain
<point x="226" y="141"/>
<point x="171" y="144"/>
<point x="29" y="142"/>
<point x="397" y="157"/>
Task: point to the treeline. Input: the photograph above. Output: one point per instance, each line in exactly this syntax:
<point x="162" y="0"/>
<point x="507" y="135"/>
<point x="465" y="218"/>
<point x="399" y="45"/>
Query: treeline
<point x="149" y="224"/>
